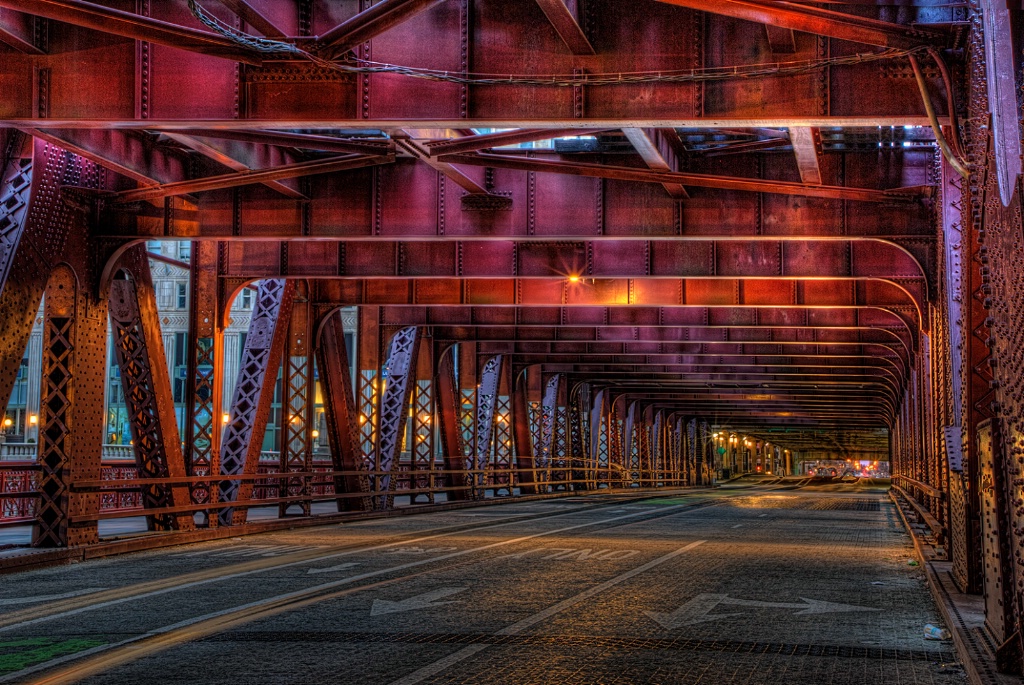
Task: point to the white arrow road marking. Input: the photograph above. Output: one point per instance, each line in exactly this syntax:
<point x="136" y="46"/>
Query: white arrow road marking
<point x="47" y="598"/>
<point x="424" y="601"/>
<point x="698" y="609"/>
<point x="531" y="620"/>
<point x="330" y="569"/>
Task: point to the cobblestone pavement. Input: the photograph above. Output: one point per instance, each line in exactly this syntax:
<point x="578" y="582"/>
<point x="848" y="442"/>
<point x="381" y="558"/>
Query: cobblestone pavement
<point x="747" y="585"/>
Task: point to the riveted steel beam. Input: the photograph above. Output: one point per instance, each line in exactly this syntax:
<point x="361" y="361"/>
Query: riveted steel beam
<point x="341" y="413"/>
<point x="205" y="382"/>
<point x="130" y="25"/>
<point x="146" y="383"/>
<point x="369" y="23"/>
<point x="622" y="173"/>
<point x="449" y="403"/>
<point x="254" y="390"/>
<point x="398" y="378"/>
<point x="798" y="17"/>
<point x="567" y="26"/>
<point x="243" y="178"/>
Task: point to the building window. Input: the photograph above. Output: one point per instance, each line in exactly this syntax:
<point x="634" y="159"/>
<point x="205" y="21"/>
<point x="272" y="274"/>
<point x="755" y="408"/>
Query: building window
<point x="246" y="298"/>
<point x="185" y="251"/>
<point x="182" y="295"/>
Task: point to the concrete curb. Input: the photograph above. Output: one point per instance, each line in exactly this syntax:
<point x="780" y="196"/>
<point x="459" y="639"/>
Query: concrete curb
<point x="963" y="614"/>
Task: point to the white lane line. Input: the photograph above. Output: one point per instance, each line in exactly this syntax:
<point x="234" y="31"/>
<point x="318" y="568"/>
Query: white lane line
<point x="738" y="525"/>
<point x="520" y="626"/>
<point x="325" y="586"/>
<point x="240" y="574"/>
<point x="761" y="516"/>
<point x="47" y="598"/>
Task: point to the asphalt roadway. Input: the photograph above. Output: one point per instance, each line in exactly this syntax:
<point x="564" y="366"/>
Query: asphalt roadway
<point x="766" y="583"/>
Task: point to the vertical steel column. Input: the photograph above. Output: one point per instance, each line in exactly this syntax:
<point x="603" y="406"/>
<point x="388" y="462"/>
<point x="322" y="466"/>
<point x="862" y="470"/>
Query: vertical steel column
<point x="486" y="401"/>
<point x="548" y="420"/>
<point x="522" y="432"/>
<point x="468" y="387"/>
<point x="254" y="391"/>
<point x="560" y="443"/>
<point x="297" y="443"/>
<point x="340" y="413"/>
<point x="448" y="413"/>
<point x="19" y="299"/>
<point x="204" y="390"/>
<point x="703" y="449"/>
<point x="422" y="447"/>
<point x="146" y="382"/>
<point x="629" y="444"/>
<point x="616" y="432"/>
<point x="579" y="409"/>
<point x="503" y="459"/>
<point x="397" y="377"/>
<point x="71" y="413"/>
<point x="45" y="246"/>
<point x="597" y="457"/>
<point x="368" y="390"/>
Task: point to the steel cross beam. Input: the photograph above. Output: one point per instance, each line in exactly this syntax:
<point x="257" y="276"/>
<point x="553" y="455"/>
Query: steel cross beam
<point x="583" y="260"/>
<point x="614" y="293"/>
<point x="622" y="173"/>
<point x="654" y="158"/>
<point x="17" y="30"/>
<point x="130" y="25"/>
<point x="567" y="26"/>
<point x="243" y="178"/>
<point x="369" y="23"/>
<point x="798" y="17"/>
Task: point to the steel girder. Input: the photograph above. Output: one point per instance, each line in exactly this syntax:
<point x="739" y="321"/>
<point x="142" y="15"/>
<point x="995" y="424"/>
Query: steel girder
<point x="448" y="411"/>
<point x="664" y="259"/>
<point x="340" y="413"/>
<point x="436" y="37"/>
<point x="398" y="378"/>
<point x="205" y="381"/>
<point x="600" y="294"/>
<point x="298" y="420"/>
<point x="251" y="404"/>
<point x="43" y="248"/>
<point x="146" y="384"/>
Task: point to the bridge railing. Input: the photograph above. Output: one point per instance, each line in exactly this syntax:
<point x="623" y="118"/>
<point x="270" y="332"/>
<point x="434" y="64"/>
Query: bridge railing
<point x="119" y="486"/>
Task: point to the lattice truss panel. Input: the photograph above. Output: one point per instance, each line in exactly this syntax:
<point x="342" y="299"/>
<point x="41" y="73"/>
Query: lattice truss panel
<point x="15" y="185"/>
<point x="467" y="420"/>
<point x="603" y="441"/>
<point x="487" y="398"/>
<point x="422" y="449"/>
<point x="249" y="409"/>
<point x="394" y="407"/>
<point x="55" y="432"/>
<point x="296" y="450"/>
<point x="204" y="417"/>
<point x="369" y="395"/>
<point x="503" y="458"/>
<point x="535" y="413"/>
<point x="141" y="397"/>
